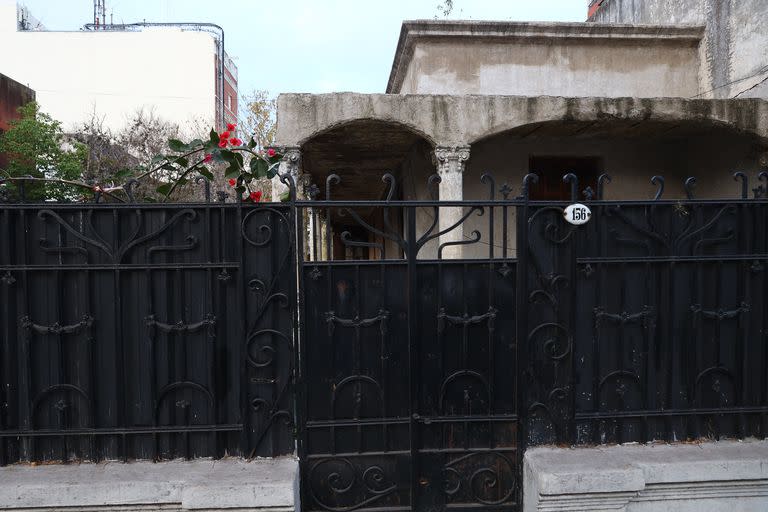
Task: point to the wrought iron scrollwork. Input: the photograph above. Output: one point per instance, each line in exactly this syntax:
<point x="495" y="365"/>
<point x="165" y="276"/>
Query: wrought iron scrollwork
<point x="671" y="241"/>
<point x="483" y="478"/>
<point x="208" y="322"/>
<point x="117" y="250"/>
<point x="338" y="485"/>
<point x="57" y="328"/>
<point x="624" y="317"/>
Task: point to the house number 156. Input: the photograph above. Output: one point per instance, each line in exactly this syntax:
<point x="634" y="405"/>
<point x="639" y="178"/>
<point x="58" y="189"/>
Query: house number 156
<point x="577" y="214"/>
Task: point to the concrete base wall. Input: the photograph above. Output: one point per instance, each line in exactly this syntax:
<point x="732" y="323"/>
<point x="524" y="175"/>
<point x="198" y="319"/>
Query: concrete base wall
<point x="259" y="485"/>
<point x="705" y="477"/>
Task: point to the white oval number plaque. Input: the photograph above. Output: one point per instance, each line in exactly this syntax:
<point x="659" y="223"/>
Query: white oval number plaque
<point x="577" y="214"/>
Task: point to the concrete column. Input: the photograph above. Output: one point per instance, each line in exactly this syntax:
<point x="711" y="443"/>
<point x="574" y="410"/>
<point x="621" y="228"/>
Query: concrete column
<point x="451" y="162"/>
<point x="290" y="164"/>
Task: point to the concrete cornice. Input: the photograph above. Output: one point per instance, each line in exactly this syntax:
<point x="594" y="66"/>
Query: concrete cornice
<point x="465" y="119"/>
<point x="415" y="30"/>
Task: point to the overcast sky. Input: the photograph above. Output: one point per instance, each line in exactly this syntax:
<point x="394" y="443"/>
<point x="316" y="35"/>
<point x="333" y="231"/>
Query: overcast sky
<point x="304" y="45"/>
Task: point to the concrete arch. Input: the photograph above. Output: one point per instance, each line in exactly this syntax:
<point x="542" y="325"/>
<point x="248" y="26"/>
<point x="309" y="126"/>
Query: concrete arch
<point x="461" y="120"/>
<point x="303" y="117"/>
<point x="371" y="124"/>
<point x="617" y="116"/>
<point x="361" y="151"/>
<point x="617" y="128"/>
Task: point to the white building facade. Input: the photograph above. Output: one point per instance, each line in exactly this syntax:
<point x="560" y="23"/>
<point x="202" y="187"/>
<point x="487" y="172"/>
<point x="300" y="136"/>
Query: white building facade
<point x="115" y="73"/>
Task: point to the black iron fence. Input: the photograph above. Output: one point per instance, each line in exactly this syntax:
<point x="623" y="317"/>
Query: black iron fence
<point x="423" y="377"/>
<point x="145" y="331"/>
<point x="436" y="340"/>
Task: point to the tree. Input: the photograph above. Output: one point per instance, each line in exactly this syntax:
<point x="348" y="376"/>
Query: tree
<point x="35" y="146"/>
<point x="116" y="157"/>
<point x="445" y="8"/>
<point x="108" y="161"/>
<point x="257" y="118"/>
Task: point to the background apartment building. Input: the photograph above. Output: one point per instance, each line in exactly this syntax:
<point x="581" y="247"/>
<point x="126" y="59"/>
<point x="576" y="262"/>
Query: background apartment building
<point x="180" y="71"/>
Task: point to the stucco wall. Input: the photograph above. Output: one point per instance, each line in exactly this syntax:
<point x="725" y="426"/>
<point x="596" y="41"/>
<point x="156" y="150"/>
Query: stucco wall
<point x="112" y="73"/>
<point x="734" y="59"/>
<point x="554" y="67"/>
<point x="631" y="162"/>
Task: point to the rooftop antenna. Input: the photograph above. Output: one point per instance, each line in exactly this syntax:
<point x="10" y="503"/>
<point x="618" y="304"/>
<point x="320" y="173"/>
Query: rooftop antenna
<point x="99" y="13"/>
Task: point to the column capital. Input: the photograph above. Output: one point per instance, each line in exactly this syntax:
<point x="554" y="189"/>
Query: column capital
<point x="451" y="158"/>
<point x="291" y="160"/>
<point x="290" y="165"/>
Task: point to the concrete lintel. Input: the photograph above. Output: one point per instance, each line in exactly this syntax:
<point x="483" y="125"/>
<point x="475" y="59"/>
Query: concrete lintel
<point x="262" y="484"/>
<point x="729" y="475"/>
<point x="465" y="119"/>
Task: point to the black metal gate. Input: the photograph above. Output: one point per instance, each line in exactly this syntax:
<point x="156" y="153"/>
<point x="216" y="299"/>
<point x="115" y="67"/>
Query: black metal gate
<point x="423" y="378"/>
<point x="409" y="363"/>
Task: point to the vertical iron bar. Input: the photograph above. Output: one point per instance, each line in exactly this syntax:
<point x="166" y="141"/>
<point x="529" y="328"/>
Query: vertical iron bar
<point x="209" y="308"/>
<point x="26" y="363"/>
<point x="413" y="351"/>
<point x="242" y="310"/>
<point x="299" y="333"/>
<point x="120" y="392"/>
<point x="6" y="382"/>
<point x="521" y="301"/>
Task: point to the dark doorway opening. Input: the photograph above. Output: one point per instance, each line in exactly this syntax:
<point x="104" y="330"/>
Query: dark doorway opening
<point x="551" y="170"/>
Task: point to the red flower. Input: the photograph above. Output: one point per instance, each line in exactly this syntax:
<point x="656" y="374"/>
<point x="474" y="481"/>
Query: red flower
<point x="271" y="152"/>
<point x="235" y="141"/>
<point x="223" y="135"/>
<point x="223" y="143"/>
<point x="230" y="127"/>
<point x="208" y="157"/>
<point x="232" y="182"/>
<point x="256" y="196"/>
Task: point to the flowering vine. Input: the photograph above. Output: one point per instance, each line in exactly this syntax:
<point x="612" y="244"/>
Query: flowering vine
<point x="244" y="163"/>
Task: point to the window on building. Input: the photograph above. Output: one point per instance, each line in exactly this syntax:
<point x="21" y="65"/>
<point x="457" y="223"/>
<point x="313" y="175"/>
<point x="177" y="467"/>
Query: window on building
<point x="551" y="170"/>
<point x="229" y="102"/>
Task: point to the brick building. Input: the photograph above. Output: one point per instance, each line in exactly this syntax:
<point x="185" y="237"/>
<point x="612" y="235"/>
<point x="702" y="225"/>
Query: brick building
<point x="12" y="96"/>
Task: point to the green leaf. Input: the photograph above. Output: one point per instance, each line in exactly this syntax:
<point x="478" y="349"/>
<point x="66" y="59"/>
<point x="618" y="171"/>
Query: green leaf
<point x="251" y="143"/>
<point x="285" y="196"/>
<point x="183" y="162"/>
<point x="232" y="171"/>
<point x="195" y="143"/>
<point x="227" y="156"/>
<point x="164" y="189"/>
<point x="214" y="137"/>
<point x="273" y="170"/>
<point x="205" y="172"/>
<point x="258" y="167"/>
<point x="177" y="145"/>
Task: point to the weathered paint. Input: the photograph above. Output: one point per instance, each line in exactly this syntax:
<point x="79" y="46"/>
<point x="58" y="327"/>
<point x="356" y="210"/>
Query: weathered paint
<point x="556" y="59"/>
<point x="734" y="62"/>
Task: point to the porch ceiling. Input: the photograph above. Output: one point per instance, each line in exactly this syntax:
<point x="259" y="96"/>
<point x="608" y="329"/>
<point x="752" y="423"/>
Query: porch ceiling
<point x="625" y="129"/>
<point x="360" y="152"/>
